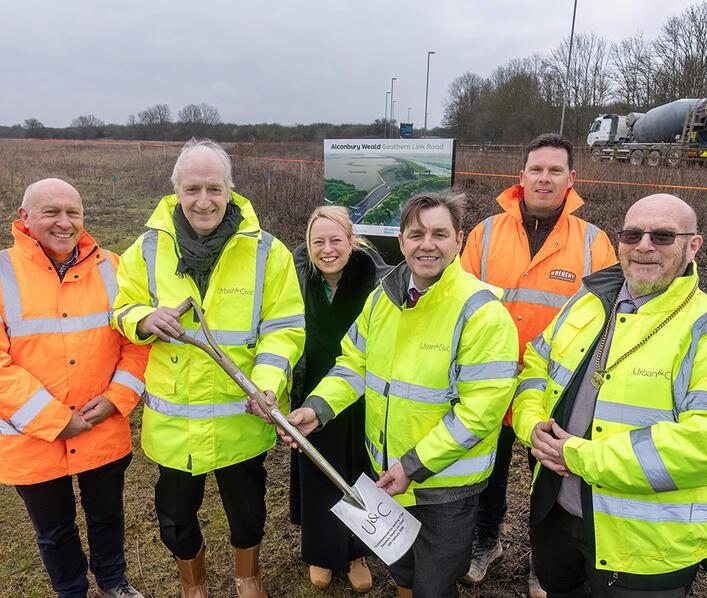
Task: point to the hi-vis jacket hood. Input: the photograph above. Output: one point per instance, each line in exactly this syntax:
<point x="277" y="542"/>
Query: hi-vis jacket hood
<point x="535" y="289"/>
<point x="195" y="418"/>
<point x="437" y="380"/>
<point x="643" y="458"/>
<point x="57" y="352"/>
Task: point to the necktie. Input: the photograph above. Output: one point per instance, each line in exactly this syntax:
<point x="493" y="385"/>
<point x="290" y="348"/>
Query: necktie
<point x="413" y="296"/>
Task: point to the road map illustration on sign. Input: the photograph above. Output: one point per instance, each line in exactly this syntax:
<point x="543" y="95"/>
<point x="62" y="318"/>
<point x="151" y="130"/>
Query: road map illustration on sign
<point x="375" y="177"/>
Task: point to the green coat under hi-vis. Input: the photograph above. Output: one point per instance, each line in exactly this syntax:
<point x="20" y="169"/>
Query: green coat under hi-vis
<point x="195" y="418"/>
<point x="437" y="380"/>
<point x="644" y="457"/>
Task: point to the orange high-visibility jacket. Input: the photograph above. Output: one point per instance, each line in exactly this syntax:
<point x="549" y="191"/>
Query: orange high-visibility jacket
<point x="58" y="351"/>
<point x="497" y="252"/>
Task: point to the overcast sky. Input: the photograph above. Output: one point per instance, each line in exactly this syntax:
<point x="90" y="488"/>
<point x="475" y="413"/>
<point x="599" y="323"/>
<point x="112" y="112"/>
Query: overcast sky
<point x="286" y="61"/>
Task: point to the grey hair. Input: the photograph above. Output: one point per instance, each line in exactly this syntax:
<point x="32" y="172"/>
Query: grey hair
<point x="193" y="144"/>
<point x="27" y="197"/>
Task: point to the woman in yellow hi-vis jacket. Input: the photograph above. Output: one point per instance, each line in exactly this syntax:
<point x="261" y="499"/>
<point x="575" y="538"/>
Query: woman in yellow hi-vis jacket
<point x="206" y="242"/>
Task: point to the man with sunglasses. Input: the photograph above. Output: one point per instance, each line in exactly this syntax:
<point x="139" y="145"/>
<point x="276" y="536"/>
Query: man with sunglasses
<point x="613" y="402"/>
<point x="537" y="251"/>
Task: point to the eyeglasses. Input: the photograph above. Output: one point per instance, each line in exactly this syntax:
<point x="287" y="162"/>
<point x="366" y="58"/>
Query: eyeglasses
<point x="658" y="237"/>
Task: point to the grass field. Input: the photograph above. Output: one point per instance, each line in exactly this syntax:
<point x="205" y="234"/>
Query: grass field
<point x="283" y="193"/>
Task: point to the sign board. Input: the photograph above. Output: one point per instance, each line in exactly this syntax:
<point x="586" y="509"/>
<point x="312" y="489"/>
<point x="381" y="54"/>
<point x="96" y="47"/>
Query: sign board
<point x="405" y="130"/>
<point x="375" y="177"/>
<point x="385" y="527"/>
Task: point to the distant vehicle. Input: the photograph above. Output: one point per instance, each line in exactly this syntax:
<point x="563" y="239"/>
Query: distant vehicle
<point x="670" y="135"/>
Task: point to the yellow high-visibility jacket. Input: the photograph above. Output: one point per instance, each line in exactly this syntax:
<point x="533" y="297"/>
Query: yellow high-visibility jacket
<point x="643" y="459"/>
<point x="437" y="380"/>
<point x="195" y="418"/>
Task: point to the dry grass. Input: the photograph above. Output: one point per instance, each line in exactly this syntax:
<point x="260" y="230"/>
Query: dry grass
<point x="283" y="193"/>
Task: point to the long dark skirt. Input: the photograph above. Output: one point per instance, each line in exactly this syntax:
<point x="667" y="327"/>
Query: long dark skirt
<point x="326" y="542"/>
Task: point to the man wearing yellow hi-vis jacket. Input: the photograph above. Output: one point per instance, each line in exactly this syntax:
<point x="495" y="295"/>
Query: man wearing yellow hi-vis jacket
<point x="205" y="241"/>
<point x="613" y="401"/>
<point x="434" y="351"/>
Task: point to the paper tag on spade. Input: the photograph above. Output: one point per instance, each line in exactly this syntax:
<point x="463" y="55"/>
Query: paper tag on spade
<point x="385" y="527"/>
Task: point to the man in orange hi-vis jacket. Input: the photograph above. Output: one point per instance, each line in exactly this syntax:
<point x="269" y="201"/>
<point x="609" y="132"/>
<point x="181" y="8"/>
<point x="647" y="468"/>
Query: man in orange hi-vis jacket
<point x="537" y="252"/>
<point x="67" y="384"/>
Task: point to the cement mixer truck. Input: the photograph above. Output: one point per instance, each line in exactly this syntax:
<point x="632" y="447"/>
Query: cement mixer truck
<point x="671" y="135"/>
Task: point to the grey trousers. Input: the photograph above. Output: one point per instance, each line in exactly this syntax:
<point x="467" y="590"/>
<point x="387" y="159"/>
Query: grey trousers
<point x="442" y="552"/>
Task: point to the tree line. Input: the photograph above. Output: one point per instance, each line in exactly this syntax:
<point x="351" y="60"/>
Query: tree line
<point x="524" y="97"/>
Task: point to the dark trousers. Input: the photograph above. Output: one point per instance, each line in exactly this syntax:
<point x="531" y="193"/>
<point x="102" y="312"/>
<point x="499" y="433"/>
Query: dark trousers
<point x="565" y="567"/>
<point x="492" y="501"/>
<point x="52" y="509"/>
<point x="442" y="551"/>
<point x="178" y="496"/>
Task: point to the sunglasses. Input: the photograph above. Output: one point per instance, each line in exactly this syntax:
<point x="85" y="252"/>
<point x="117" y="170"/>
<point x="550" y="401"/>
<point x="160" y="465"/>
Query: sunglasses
<point x="658" y="237"/>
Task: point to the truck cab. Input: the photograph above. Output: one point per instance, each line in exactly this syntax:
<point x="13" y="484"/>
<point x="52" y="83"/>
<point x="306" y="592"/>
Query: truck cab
<point x="607" y="130"/>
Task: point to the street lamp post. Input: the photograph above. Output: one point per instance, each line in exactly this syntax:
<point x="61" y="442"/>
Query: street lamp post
<point x="409" y="108"/>
<point x="427" y="88"/>
<point x="385" y="117"/>
<point x="567" y="77"/>
<point x="392" y="103"/>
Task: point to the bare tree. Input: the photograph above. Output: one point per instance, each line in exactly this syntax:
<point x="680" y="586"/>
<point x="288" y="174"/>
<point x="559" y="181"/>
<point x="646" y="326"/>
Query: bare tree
<point x="87" y="121"/>
<point x="463" y="105"/>
<point x="155" y="116"/>
<point x="681" y="54"/>
<point x="632" y="72"/>
<point x="32" y="124"/>
<point x="589" y="83"/>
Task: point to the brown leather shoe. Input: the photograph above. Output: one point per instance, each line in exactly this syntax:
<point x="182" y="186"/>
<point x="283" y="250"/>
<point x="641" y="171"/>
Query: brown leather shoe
<point x="404" y="592"/>
<point x="360" y="576"/>
<point x="320" y="577"/>
<point x="248" y="582"/>
<point x="192" y="576"/>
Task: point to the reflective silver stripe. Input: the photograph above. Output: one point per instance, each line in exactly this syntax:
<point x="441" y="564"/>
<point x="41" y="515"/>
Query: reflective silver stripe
<point x="536" y="297"/>
<point x="589" y="235"/>
<point x="421" y="394"/>
<point x="7" y="429"/>
<point x="650" y="461"/>
<point x="58" y="325"/>
<point x="195" y="411"/>
<point x="225" y="338"/>
<point x="357" y="338"/>
<point x="468" y="466"/>
<point x="457" y="430"/>
<point x="559" y="373"/>
<point x="631" y="415"/>
<point x="375" y="453"/>
<point x="355" y="381"/>
<point x="261" y="259"/>
<point x="376" y="384"/>
<point x="491" y="370"/>
<point x="125" y="312"/>
<point x="281" y="323"/>
<point x="566" y="310"/>
<point x="682" y="379"/>
<point x="696" y="400"/>
<point x="472" y="304"/>
<point x="375" y="298"/>
<point x="531" y="384"/>
<point x="149" y="254"/>
<point x="31" y="408"/>
<point x="541" y="346"/>
<point x="10" y="290"/>
<point x="127" y="379"/>
<point x="277" y="361"/>
<point x="463" y="467"/>
<point x="485" y="244"/>
<point x="656" y="512"/>
<point x="109" y="281"/>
